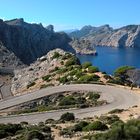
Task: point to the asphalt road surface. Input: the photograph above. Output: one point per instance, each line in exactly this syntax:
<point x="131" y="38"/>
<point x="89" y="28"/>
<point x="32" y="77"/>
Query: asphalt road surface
<point x="116" y="97"/>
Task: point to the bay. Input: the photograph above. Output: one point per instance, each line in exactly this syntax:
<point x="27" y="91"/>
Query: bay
<point x="109" y="58"/>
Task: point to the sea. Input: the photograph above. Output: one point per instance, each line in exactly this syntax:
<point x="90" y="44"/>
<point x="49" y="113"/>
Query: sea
<point x="108" y="59"/>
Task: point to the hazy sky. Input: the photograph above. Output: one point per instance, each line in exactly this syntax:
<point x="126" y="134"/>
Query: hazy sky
<point x="69" y="14"/>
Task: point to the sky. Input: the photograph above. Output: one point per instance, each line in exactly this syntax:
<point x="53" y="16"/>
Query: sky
<point x="73" y="14"/>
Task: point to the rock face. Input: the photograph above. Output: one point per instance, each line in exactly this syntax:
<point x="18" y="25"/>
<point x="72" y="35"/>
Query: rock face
<point x="83" y="46"/>
<point x="8" y="59"/>
<point x="128" y="36"/>
<point x="31" y="41"/>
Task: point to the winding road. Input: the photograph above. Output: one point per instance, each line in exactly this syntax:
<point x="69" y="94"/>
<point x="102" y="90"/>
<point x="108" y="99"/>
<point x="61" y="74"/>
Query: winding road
<point x="116" y="97"/>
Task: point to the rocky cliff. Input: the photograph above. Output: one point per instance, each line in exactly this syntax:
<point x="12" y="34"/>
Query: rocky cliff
<point x="28" y="42"/>
<point x="128" y="36"/>
<point x="8" y="58"/>
<point x="83" y="46"/>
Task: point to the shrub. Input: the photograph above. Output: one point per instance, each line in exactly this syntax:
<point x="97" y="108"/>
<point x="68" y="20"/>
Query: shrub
<point x="92" y="69"/>
<point x="62" y="70"/>
<point x="121" y="131"/>
<point x="116" y="111"/>
<point x="69" y="100"/>
<point x="67" y="56"/>
<point x="72" y="61"/>
<point x="34" y="135"/>
<point x="45" y="86"/>
<point x="63" y="79"/>
<point x="93" y="96"/>
<point x="73" y="72"/>
<point x="121" y="74"/>
<point x="46" y="78"/>
<point x="79" y="126"/>
<point x="86" y="65"/>
<point x="30" y="85"/>
<point x="97" y="125"/>
<point x="67" y="117"/>
<point x="66" y="131"/>
<point x="9" y="129"/>
<point x="56" y="55"/>
<point x="81" y="100"/>
<point x="109" y="119"/>
<point x="49" y="121"/>
<point x="46" y="129"/>
<point x="62" y="62"/>
<point x="88" y="78"/>
<point x="121" y="71"/>
<point x="42" y="108"/>
<point x="116" y="80"/>
<point x="79" y="74"/>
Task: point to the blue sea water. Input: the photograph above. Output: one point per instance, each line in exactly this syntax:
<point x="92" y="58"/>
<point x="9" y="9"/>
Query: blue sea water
<point x="109" y="58"/>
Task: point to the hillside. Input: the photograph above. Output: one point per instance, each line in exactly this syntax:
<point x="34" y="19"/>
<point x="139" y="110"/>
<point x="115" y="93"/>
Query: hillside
<point x="30" y="41"/>
<point x="127" y="36"/>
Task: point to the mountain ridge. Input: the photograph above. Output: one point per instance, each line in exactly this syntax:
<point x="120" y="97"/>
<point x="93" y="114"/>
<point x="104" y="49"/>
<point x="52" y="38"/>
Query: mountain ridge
<point x="31" y="41"/>
<point x="127" y="36"/>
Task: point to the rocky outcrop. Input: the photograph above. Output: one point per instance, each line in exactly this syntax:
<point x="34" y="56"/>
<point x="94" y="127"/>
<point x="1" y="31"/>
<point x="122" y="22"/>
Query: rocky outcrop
<point x="83" y="46"/>
<point x="35" y="71"/>
<point x="31" y="41"/>
<point x="8" y="58"/>
<point x="128" y="36"/>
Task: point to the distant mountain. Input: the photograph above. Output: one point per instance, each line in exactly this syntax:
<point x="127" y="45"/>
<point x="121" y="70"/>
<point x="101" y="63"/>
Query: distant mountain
<point x="70" y="31"/>
<point x="90" y="30"/>
<point x="127" y="36"/>
<point x="27" y="42"/>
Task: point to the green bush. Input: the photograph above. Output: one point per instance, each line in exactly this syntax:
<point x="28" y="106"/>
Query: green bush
<point x="63" y="79"/>
<point x="73" y="72"/>
<point x="79" y="126"/>
<point x="68" y="100"/>
<point x="86" y="65"/>
<point x="46" y="129"/>
<point x="97" y="125"/>
<point x="56" y="55"/>
<point x="62" y="62"/>
<point x="72" y="61"/>
<point x="79" y="74"/>
<point x="116" y="111"/>
<point x="88" y="78"/>
<point x="92" y="69"/>
<point x="62" y="70"/>
<point x="35" y="135"/>
<point x="109" y="119"/>
<point x="9" y="129"/>
<point x="46" y="78"/>
<point x="121" y="71"/>
<point x="67" y="117"/>
<point x="121" y="131"/>
<point x="67" y="56"/>
<point x="93" y="96"/>
<point x="66" y="131"/>
<point x="30" y="85"/>
<point x="45" y="86"/>
<point x="49" y="121"/>
<point x="80" y="100"/>
<point x="116" y="80"/>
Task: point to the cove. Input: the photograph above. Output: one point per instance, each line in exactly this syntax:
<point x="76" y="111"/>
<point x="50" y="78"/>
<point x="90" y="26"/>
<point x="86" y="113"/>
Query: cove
<point x="109" y="58"/>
